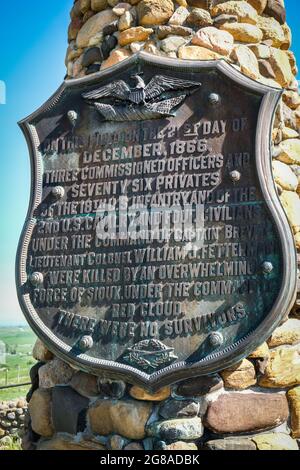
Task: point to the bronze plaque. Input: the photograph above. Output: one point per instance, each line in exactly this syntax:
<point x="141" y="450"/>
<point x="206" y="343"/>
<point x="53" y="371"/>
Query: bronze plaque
<point x="155" y="247"/>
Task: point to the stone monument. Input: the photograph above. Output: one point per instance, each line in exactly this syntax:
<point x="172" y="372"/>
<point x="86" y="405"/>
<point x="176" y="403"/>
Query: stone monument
<point x="157" y="263"/>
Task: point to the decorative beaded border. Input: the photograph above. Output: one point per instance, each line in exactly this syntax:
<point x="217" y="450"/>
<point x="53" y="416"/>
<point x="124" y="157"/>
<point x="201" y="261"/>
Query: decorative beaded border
<point x="215" y="361"/>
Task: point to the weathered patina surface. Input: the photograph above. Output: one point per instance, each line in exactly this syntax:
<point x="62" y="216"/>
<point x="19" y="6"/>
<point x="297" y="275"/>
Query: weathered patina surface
<point x="148" y="145"/>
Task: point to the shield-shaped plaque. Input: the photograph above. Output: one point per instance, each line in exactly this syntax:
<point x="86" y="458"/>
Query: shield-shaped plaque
<point x="155" y="247"/>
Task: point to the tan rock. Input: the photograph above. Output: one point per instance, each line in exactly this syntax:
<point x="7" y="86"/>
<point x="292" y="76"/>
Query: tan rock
<point x="283" y="368"/>
<point x="244" y="412"/>
<point x="179" y="16"/>
<point x="115" y="57"/>
<point x="180" y="445"/>
<point x="293" y="63"/>
<point x="99" y="5"/>
<point x="247" y="61"/>
<point x="75" y="12"/>
<point x="87" y="16"/>
<point x="126" y="21"/>
<point x="288" y="333"/>
<point x="173" y="30"/>
<point x="284" y="176"/>
<point x="73" y="52"/>
<point x="125" y="417"/>
<point x="265" y="69"/>
<point x="152" y="12"/>
<point x="297" y="240"/>
<point x="94" y="26"/>
<point x="290" y="151"/>
<point x="199" y="3"/>
<point x="68" y="442"/>
<point x="197" y="53"/>
<point x="55" y="372"/>
<point x="288" y="133"/>
<point x="141" y="394"/>
<point x="214" y="39"/>
<point x="40" y="412"/>
<point x="294" y="402"/>
<point x="134" y="34"/>
<point x="259" y="5"/>
<point x="172" y="43"/>
<point x="84" y="6"/>
<point x="199" y="17"/>
<point x="240" y="376"/>
<point x="77" y="67"/>
<point x="116" y="442"/>
<point x="291" y="99"/>
<point x="281" y="67"/>
<point x="21" y="403"/>
<point x="243" y="32"/>
<point x="276" y="135"/>
<point x="41" y="352"/>
<point x="274" y="441"/>
<point x="74" y="28"/>
<point x="261" y="51"/>
<point x="85" y="384"/>
<point x="272" y="30"/>
<point x="261" y="352"/>
<point x="243" y="10"/>
<point x="136" y="47"/>
<point x="152" y="48"/>
<point x="288" y="37"/>
<point x="121" y="8"/>
<point x="297" y="118"/>
<point x="291" y="204"/>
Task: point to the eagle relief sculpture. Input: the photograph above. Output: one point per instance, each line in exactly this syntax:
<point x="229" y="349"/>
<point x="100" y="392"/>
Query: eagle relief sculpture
<point x="157" y="99"/>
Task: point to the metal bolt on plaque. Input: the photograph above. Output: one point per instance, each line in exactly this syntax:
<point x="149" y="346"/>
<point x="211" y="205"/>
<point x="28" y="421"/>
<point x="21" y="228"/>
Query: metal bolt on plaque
<point x="216" y="339"/>
<point x="267" y="267"/>
<point x="73" y="117"/>
<point x="86" y="343"/>
<point x="58" y="192"/>
<point x="235" y="176"/>
<point x="36" y="279"/>
<point x="214" y="99"/>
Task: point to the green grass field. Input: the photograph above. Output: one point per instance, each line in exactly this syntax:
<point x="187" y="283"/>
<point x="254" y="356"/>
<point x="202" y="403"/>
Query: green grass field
<point x="16" y="363"/>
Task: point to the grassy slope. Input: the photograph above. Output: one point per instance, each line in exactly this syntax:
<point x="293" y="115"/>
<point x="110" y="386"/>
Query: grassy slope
<point x="21" y="340"/>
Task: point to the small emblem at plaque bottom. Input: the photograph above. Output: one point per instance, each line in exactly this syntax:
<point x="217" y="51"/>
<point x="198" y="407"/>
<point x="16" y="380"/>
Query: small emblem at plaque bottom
<point x="149" y="355"/>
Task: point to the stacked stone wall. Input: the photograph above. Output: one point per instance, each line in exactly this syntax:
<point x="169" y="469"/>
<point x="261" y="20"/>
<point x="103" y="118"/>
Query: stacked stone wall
<point x="254" y="405"/>
<point x="12" y="418"/>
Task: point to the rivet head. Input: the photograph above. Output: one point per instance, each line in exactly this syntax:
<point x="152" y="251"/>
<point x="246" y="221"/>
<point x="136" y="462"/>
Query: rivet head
<point x="216" y="339"/>
<point x="72" y="116"/>
<point x="58" y="192"/>
<point x="267" y="267"/>
<point x="36" y="279"/>
<point x="214" y="99"/>
<point x="235" y="175"/>
<point x="86" y="343"/>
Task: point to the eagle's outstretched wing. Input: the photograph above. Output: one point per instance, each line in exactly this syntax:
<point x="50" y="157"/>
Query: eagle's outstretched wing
<point x="118" y="89"/>
<point x="165" y="107"/>
<point x="159" y="84"/>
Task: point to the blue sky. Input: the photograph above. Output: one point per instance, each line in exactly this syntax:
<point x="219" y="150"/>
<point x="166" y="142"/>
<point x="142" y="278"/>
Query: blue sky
<point x="33" y="44"/>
